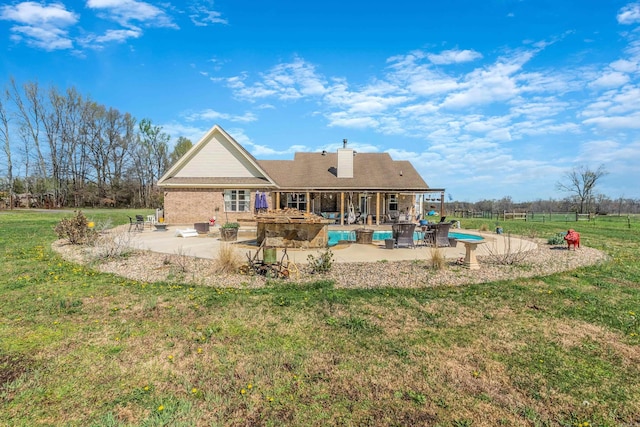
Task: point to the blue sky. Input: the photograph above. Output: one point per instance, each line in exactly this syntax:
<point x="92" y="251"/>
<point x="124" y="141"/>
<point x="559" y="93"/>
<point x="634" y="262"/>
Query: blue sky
<point x="488" y="98"/>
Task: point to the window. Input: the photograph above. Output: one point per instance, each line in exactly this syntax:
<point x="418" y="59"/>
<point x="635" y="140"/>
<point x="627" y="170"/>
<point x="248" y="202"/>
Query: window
<point x="393" y="202"/>
<point x="297" y="201"/>
<point x="237" y="200"/>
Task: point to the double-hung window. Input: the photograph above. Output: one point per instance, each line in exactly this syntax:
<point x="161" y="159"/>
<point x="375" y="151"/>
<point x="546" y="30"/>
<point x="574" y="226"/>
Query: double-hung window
<point x="237" y="200"/>
<point x="393" y="202"/>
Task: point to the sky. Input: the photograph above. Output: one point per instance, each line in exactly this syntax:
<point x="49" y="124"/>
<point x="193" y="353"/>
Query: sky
<point x="488" y="99"/>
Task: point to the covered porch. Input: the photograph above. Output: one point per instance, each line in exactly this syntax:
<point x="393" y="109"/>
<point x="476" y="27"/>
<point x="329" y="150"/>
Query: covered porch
<point x="369" y="207"/>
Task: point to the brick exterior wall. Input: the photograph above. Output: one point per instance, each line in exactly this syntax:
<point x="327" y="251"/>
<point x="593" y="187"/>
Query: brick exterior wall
<point x="188" y="206"/>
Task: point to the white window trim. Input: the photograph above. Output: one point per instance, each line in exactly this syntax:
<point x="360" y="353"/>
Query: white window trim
<point x="231" y="205"/>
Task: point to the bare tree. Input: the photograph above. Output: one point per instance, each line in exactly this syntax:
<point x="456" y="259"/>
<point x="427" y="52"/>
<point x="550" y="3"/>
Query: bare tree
<point x="6" y="145"/>
<point x="581" y="182"/>
<point x="110" y="138"/>
<point x="77" y="152"/>
<point x="30" y="115"/>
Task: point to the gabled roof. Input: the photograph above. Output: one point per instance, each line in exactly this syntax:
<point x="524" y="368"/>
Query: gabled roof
<point x="318" y="171"/>
<point x="216" y="161"/>
<point x="219" y="161"/>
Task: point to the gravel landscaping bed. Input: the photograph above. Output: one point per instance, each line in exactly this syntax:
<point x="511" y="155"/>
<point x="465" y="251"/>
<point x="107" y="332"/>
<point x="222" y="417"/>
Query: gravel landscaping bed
<point x="150" y="267"/>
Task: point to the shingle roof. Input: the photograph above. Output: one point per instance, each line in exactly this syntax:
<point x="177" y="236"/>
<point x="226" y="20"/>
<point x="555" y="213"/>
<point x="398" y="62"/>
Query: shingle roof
<point x="317" y="171"/>
<point x="202" y="182"/>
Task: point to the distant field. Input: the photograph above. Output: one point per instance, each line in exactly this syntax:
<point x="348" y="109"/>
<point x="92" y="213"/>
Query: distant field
<point x="82" y="348"/>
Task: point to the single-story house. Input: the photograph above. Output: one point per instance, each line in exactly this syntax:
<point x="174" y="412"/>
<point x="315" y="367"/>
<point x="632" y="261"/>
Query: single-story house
<point x="219" y="178"/>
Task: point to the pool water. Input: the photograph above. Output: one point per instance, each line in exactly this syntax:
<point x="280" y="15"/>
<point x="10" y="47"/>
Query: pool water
<point x="350" y="236"/>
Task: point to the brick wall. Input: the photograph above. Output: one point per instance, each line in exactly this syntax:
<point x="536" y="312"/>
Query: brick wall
<point x="188" y="206"/>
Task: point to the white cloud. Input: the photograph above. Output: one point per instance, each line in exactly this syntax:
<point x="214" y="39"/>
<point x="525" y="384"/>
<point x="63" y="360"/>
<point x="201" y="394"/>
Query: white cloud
<point x="625" y="66"/>
<point x="454" y="56"/>
<point x="125" y="12"/>
<point x="176" y="130"/>
<point x="615" y="109"/>
<point x="610" y="79"/>
<point x="538" y="107"/>
<point x="346" y="120"/>
<point x="420" y="79"/>
<point x="40" y="25"/>
<point x="472" y="118"/>
<point x="629" y="14"/>
<point x="118" y="36"/>
<point x="212" y="115"/>
<point x="202" y="15"/>
<point x="631" y="121"/>
<point x="262" y="150"/>
<point x="483" y="86"/>
<point x="288" y="81"/>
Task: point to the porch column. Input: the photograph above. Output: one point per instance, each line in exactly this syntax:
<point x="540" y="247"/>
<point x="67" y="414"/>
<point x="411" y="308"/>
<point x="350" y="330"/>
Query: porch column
<point x="378" y="208"/>
<point x="341" y="208"/>
<point x="308" y="202"/>
<point x="278" y="200"/>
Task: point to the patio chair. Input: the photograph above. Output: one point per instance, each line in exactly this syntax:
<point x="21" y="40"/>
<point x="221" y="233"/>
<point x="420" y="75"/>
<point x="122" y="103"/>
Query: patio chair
<point x="138" y="224"/>
<point x="442" y="234"/>
<point x="403" y="235"/>
<point x="151" y="220"/>
<point x="428" y="237"/>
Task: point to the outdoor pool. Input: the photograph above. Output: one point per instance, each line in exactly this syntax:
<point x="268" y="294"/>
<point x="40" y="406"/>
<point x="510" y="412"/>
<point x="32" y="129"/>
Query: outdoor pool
<point x="336" y="236"/>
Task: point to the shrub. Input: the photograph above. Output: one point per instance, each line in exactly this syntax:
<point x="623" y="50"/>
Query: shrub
<point x="557" y="239"/>
<point x="76" y="230"/>
<point x="112" y="245"/>
<point x="230" y="225"/>
<point x="322" y="263"/>
<point x="510" y="256"/>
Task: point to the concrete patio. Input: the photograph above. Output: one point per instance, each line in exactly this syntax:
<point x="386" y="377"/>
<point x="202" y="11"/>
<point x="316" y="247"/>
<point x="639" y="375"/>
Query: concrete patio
<point x="207" y="245"/>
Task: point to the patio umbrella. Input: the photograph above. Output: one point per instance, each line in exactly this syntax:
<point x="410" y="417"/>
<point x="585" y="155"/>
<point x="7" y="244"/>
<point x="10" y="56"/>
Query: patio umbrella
<point x="263" y="201"/>
<point x="256" y="204"/>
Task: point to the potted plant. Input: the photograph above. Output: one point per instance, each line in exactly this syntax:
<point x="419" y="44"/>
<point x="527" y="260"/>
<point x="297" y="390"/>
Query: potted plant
<point x="229" y="231"/>
<point x="364" y="236"/>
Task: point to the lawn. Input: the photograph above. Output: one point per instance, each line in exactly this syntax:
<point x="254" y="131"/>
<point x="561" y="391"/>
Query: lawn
<point x="82" y="348"/>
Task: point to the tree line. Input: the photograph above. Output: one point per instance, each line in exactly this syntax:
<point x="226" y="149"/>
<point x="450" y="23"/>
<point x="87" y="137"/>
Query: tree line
<point x="63" y="149"/>
<point x="599" y="204"/>
<point x="580" y="185"/>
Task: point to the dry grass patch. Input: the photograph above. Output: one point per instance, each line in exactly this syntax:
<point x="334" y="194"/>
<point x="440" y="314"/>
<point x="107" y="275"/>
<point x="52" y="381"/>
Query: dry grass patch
<point x="227" y="260"/>
<point x="438" y="260"/>
<point x="575" y="333"/>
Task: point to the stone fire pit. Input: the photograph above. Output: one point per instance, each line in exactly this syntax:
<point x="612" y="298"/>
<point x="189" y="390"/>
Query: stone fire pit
<point x="292" y="229"/>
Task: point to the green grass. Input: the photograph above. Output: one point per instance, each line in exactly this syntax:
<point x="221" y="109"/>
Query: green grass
<point x="79" y="348"/>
